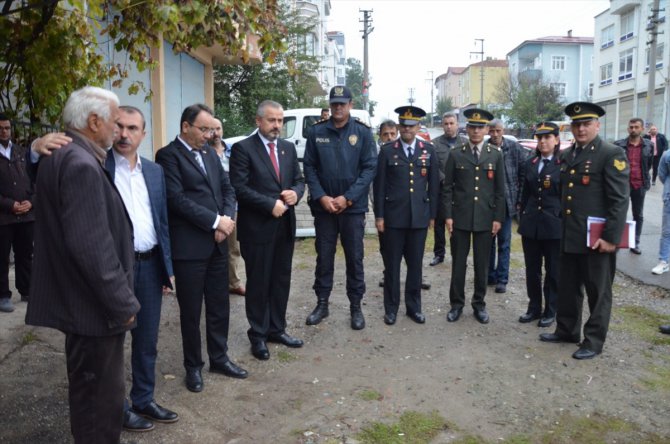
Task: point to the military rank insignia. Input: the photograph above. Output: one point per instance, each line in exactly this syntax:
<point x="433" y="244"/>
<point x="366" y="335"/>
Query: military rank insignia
<point x="353" y="139"/>
<point x="547" y="181"/>
<point x="424" y="172"/>
<point x="489" y="173"/>
<point x="586" y="180"/>
<point x="620" y="164"/>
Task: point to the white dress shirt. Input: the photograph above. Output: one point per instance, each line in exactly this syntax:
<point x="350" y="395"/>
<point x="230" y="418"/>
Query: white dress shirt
<point x="7" y="152"/>
<point x="133" y="190"/>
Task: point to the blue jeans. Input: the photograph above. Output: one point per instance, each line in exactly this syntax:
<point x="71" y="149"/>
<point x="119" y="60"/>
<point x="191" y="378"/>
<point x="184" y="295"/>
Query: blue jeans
<point x="664" y="250"/>
<point x="500" y="274"/>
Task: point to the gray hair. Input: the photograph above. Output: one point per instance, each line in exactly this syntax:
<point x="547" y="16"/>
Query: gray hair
<point x="260" y="112"/>
<point x="495" y="123"/>
<point x="449" y="114"/>
<point x="86" y="101"/>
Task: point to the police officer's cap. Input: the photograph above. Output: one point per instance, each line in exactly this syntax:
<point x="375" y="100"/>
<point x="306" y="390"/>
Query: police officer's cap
<point x="340" y="94"/>
<point x="410" y="115"/>
<point x="477" y="117"/>
<point x="583" y="111"/>
<point x="543" y="128"/>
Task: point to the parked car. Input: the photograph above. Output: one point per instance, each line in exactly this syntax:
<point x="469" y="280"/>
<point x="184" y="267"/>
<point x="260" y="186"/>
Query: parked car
<point x="423" y="133"/>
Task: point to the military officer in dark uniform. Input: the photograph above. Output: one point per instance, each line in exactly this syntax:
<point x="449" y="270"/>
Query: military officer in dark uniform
<point x="406" y="188"/>
<point x="540" y="224"/>
<point x="594" y="182"/>
<point x="474" y="201"/>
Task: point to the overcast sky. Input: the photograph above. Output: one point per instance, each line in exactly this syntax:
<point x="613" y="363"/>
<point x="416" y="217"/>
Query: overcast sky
<point x="413" y="37"/>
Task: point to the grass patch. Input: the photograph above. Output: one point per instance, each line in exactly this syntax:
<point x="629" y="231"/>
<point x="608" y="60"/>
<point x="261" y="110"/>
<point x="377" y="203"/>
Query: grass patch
<point x="412" y="427"/>
<point x="370" y="395"/>
<point x="641" y="322"/>
<point x="660" y="376"/>
<point x="285" y="357"/>
<point x="29" y="338"/>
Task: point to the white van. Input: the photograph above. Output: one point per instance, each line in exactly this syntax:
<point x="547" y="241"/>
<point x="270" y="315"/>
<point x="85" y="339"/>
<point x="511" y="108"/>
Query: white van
<point x="298" y="121"/>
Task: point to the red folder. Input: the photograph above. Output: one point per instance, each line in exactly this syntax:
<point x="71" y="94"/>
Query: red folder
<point x="596" y="225"/>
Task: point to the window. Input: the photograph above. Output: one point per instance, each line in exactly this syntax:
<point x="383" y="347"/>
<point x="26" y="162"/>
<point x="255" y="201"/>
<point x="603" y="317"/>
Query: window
<point x="627" y="26"/>
<point x="626" y="65"/>
<point x="590" y="93"/>
<point x="606" y="74"/>
<point x="659" y="57"/>
<point x="289" y="127"/>
<point x="559" y="88"/>
<point x="558" y="63"/>
<point x="607" y="37"/>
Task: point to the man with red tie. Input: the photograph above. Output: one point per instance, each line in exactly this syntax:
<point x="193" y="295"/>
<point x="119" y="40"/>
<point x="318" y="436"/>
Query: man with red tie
<point x="265" y="173"/>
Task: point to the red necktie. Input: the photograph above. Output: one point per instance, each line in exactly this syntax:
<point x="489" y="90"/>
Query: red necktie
<point x="271" y="145"/>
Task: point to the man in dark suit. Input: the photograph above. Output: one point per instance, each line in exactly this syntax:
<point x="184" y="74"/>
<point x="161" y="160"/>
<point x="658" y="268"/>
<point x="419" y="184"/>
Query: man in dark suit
<point x="16" y="216"/>
<point x="594" y="182"/>
<point x="265" y="173"/>
<point x="406" y="188"/>
<point x="660" y="143"/>
<point x="201" y="205"/>
<point x="474" y="200"/>
<point x="82" y="281"/>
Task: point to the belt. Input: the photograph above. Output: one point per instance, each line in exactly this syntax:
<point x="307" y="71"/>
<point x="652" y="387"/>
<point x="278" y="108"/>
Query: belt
<point x="144" y="255"/>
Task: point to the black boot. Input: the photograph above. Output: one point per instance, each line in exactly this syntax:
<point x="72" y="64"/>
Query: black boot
<point x="319" y="313"/>
<point x="357" y="319"/>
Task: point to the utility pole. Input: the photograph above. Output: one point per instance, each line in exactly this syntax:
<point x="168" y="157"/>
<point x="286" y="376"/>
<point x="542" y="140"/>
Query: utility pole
<point x="411" y="96"/>
<point x="367" y="29"/>
<point x="481" y="72"/>
<point x="432" y="90"/>
<point x="652" y="42"/>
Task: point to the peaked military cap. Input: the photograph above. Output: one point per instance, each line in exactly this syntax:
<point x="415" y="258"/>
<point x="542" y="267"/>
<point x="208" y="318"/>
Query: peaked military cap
<point x="583" y="111"/>
<point x="477" y="116"/>
<point x="340" y="94"/>
<point x="410" y="115"/>
<point x="546" y="128"/>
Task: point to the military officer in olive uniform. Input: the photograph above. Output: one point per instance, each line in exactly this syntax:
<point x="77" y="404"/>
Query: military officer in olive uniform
<point x="406" y="188"/>
<point x="474" y="199"/>
<point x="594" y="182"/>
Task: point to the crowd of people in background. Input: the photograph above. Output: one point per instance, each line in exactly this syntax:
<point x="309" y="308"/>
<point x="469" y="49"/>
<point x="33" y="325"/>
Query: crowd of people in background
<point x="113" y="231"/>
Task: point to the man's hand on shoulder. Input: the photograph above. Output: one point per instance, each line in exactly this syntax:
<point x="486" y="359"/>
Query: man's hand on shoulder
<point x="44" y="145"/>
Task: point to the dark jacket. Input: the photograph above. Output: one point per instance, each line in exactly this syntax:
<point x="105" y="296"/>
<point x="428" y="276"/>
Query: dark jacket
<point x="646" y="161"/>
<point x="82" y="276"/>
<point x="513" y="157"/>
<point x="406" y="190"/>
<point x="194" y="199"/>
<point x="15" y="186"/>
<point x="540" y="199"/>
<point x="340" y="162"/>
<point x="442" y="148"/>
<point x="595" y="183"/>
<point x="661" y="141"/>
<point x="257" y="187"/>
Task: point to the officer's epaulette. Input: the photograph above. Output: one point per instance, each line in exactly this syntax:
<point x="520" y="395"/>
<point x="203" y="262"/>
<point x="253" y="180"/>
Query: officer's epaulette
<point x="362" y="123"/>
<point x="535" y="160"/>
<point x="424" y="142"/>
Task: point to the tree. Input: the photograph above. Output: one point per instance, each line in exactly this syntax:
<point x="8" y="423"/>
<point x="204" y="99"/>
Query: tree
<point x="291" y="80"/>
<point x="48" y="49"/>
<point x="528" y="101"/>
<point x="355" y="83"/>
<point x="444" y="105"/>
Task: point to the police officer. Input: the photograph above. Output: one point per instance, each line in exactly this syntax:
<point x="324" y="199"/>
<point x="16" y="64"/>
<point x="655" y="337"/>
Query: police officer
<point x="540" y="224"/>
<point x="594" y="182"/>
<point x="405" y="188"/>
<point x="339" y="166"/>
<point x="474" y="200"/>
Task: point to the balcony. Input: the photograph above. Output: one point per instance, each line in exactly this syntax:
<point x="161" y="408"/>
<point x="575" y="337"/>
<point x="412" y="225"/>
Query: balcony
<point x="619" y="7"/>
<point x="530" y="75"/>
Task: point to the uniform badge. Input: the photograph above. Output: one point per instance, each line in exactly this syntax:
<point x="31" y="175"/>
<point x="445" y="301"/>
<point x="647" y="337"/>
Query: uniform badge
<point x="547" y="181"/>
<point x="489" y="174"/>
<point x="620" y="164"/>
<point x="353" y="139"/>
<point x="586" y="180"/>
<point x="424" y="172"/>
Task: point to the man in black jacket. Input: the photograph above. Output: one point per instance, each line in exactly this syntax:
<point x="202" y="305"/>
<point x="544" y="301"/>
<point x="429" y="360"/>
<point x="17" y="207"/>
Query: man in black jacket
<point x="660" y="143"/>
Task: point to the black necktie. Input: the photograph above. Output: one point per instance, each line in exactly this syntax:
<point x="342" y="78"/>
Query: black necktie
<point x="409" y="152"/>
<point x="544" y="163"/>
<point x="577" y="151"/>
<point x="475" y="152"/>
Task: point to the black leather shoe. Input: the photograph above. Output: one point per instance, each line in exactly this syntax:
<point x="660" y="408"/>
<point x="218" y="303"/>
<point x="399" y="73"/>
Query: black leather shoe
<point x="425" y="285"/>
<point x="501" y="288"/>
<point x="635" y="250"/>
<point x="286" y="339"/>
<point x="454" y="314"/>
<point x="584" y="353"/>
<point x="260" y="350"/>
<point x="546" y="322"/>
<point x="389" y="318"/>
<point x="436" y="260"/>
<point x="155" y="412"/>
<point x="133" y="422"/>
<point x="419" y="318"/>
<point x="482" y="316"/>
<point x="193" y="380"/>
<point x="357" y="319"/>
<point x="528" y="317"/>
<point x="319" y="313"/>
<point x="553" y="337"/>
<point x="229" y="369"/>
<point x="665" y="329"/>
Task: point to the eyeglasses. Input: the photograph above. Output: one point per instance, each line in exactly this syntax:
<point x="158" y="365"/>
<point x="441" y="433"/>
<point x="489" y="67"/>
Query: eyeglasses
<point x="203" y="129"/>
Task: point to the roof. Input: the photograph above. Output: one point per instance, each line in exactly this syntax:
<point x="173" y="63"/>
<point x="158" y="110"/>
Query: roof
<point x="556" y="40"/>
<point x="493" y="63"/>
